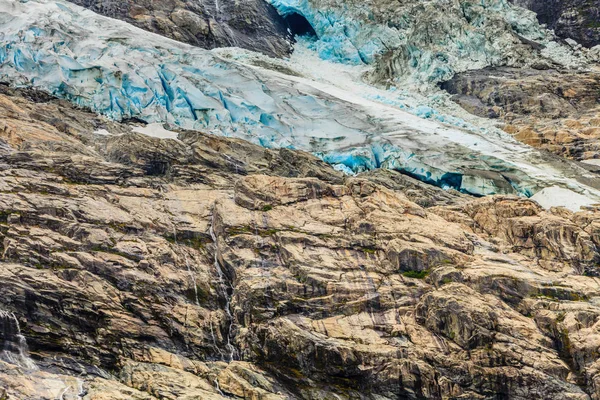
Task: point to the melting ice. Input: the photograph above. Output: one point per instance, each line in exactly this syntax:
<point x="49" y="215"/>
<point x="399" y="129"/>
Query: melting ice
<point x="305" y="103"/>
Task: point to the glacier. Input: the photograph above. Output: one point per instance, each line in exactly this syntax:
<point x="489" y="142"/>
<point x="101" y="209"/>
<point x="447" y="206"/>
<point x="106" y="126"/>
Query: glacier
<point x="304" y="103"/>
<point x="418" y="42"/>
<point x="341" y="39"/>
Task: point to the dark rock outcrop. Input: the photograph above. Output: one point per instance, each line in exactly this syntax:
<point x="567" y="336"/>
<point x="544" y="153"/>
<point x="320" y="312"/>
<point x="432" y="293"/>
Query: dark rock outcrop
<point x="556" y="110"/>
<point x="571" y="19"/>
<point x="249" y="24"/>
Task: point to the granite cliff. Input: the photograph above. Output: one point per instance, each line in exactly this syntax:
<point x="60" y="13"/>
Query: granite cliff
<point x="571" y="19"/>
<point x="251" y="24"/>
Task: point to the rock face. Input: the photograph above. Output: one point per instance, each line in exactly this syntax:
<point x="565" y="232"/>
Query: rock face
<point x="202" y="267"/>
<point x="249" y="24"/>
<point x="550" y="109"/>
<point x="142" y="263"/>
<point x="570" y="19"/>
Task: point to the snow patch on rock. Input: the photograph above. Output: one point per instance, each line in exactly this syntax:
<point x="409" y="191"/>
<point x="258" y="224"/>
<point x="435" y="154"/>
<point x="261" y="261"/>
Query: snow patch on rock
<point x="555" y="196"/>
<point x="592" y="161"/>
<point x="102" y="132"/>
<point x="156" y="130"/>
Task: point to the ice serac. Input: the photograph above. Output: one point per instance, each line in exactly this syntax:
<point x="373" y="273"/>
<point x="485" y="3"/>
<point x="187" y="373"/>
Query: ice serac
<point x="339" y="35"/>
<point x="428" y="41"/>
<point x="124" y="72"/>
<point x="250" y="24"/>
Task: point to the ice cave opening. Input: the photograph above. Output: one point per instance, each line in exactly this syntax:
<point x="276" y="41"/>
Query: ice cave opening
<point x="299" y="26"/>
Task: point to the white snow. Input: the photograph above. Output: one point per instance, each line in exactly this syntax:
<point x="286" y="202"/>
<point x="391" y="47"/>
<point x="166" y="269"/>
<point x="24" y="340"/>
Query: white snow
<point x="592" y="161"/>
<point x="102" y="132"/>
<point x="156" y="130"/>
<point x="555" y="196"/>
<point x="396" y="107"/>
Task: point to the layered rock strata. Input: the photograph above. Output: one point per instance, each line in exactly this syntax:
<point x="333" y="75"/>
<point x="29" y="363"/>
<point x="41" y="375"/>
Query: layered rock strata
<point x="576" y="20"/>
<point x="551" y="109"/>
<point x="202" y="267"/>
<point x="251" y="24"/>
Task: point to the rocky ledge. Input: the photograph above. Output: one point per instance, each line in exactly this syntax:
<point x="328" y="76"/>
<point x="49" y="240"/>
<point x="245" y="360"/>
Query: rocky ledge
<point x="201" y="267"/>
<point x="571" y="19"/>
<point x="552" y="109"/>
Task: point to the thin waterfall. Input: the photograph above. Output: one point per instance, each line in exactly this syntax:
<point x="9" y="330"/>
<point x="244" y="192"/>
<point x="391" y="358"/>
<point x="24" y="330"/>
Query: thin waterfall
<point x="230" y="348"/>
<point x="216" y="381"/>
<point x="193" y="277"/>
<point x="225" y="26"/>
<point x="62" y="394"/>
<point x="224" y="286"/>
<point x="15" y="349"/>
<point x="189" y="269"/>
<point x="80" y="391"/>
<point x="214" y="338"/>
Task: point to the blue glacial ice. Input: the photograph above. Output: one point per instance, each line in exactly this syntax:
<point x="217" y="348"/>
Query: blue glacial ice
<point x="425" y="41"/>
<point x="340" y="37"/>
<point x="123" y="72"/>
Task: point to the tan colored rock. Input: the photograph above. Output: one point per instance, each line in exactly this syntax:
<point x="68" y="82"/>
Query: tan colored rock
<point x="209" y="268"/>
<point x="556" y="110"/>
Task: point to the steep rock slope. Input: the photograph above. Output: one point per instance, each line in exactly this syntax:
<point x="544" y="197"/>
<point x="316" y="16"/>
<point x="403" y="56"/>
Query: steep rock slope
<point x="570" y="19"/>
<point x="555" y="110"/>
<point x="206" y="267"/>
<point x="139" y="262"/>
<point x="250" y="24"/>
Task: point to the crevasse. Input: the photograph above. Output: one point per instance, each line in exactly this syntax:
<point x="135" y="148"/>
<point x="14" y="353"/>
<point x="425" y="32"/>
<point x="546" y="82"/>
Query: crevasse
<point x="341" y="38"/>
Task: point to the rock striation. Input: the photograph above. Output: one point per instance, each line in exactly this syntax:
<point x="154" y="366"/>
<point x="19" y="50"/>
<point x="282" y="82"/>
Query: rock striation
<point x="551" y="109"/>
<point x="193" y="267"/>
<point x="146" y="261"/>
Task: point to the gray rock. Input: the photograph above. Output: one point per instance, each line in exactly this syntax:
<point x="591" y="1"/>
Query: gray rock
<point x="576" y="20"/>
<point x="249" y="24"/>
<point x="553" y="109"/>
<point x="204" y="267"/>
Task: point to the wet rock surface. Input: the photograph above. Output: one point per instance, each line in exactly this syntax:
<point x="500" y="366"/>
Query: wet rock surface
<point x="249" y="24"/>
<point x="556" y="110"/>
<point x="208" y="268"/>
